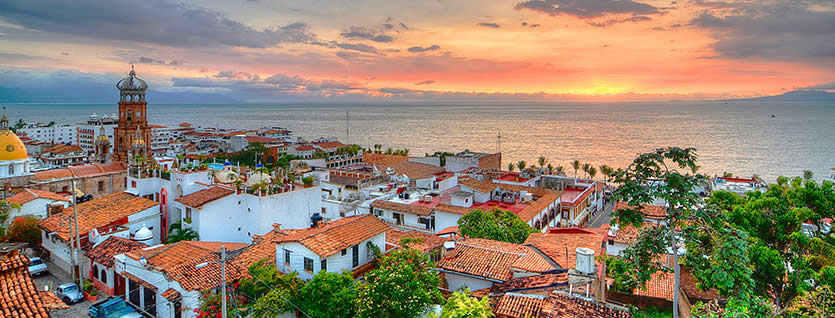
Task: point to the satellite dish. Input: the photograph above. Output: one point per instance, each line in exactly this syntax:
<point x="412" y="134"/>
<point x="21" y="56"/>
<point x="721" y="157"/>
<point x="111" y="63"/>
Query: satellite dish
<point x="143" y="261"/>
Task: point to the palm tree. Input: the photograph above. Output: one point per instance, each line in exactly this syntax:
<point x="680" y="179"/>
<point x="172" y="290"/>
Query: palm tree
<point x="541" y="161"/>
<point x="575" y="165"/>
<point x="511" y="166"/>
<point x="807" y="174"/>
<point x="550" y="168"/>
<point x="521" y="164"/>
<point x="607" y="172"/>
<point x="177" y="233"/>
<point x="592" y="172"/>
<point x="560" y="169"/>
<point x="586" y="169"/>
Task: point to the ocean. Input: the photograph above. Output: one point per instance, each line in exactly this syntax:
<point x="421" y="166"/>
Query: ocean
<point x="739" y="137"/>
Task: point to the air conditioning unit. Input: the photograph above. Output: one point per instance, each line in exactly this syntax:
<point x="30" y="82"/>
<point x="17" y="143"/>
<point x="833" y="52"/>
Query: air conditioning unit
<point x="585" y="260"/>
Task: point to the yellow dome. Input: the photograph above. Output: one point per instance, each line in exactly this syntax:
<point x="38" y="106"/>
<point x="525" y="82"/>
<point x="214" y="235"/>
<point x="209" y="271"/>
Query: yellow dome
<point x="11" y="148"/>
<point x="138" y="141"/>
<point x="102" y="138"/>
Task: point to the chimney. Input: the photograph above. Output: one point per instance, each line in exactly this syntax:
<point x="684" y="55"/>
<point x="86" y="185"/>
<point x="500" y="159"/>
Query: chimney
<point x="449" y="247"/>
<point x="256" y="239"/>
<point x="276" y="227"/>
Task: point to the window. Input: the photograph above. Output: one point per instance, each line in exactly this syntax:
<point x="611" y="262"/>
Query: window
<point x="324" y="210"/>
<point x="324" y="265"/>
<point x="564" y="214"/>
<point x="287" y="257"/>
<point x="95" y="272"/>
<point x="308" y="265"/>
<point x="344" y="251"/>
<point x="356" y="257"/>
<point x="611" y="242"/>
<point x="188" y="214"/>
<point x="378" y="213"/>
<point x="103" y="277"/>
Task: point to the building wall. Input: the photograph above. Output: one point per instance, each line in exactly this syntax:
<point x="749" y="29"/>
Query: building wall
<point x="455" y="164"/>
<point x="435" y="161"/>
<point x="615" y="248"/>
<point x="57" y="134"/>
<point x="457" y="282"/>
<point x="444" y="220"/>
<point x="36" y="208"/>
<point x="336" y="263"/>
<point x="491" y="162"/>
<point x="165" y="309"/>
<point x="113" y="182"/>
<point x="448" y="183"/>
<point x="425" y="183"/>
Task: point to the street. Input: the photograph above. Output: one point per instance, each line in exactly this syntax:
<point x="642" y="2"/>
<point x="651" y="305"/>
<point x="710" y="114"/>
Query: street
<point x="601" y="218"/>
<point x="55" y="278"/>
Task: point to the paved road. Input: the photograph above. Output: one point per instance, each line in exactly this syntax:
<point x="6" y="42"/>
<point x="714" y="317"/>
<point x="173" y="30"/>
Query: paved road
<point x="53" y="279"/>
<point x="601" y="218"/>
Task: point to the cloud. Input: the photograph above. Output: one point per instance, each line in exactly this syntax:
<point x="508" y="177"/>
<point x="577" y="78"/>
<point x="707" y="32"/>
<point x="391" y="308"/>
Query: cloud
<point x="238" y="75"/>
<point x="365" y="33"/>
<point x="489" y="25"/>
<point x="610" y="22"/>
<point x="65" y="53"/>
<point x="426" y="82"/>
<point x="161" y="22"/>
<point x="357" y="47"/>
<point x="773" y="32"/>
<point x="148" y="60"/>
<point x="418" y="49"/>
<point x="534" y="25"/>
<point x="587" y="8"/>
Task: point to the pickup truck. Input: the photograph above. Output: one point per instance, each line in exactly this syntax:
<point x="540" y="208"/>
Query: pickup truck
<point x="112" y="307"/>
<point x="37" y="266"/>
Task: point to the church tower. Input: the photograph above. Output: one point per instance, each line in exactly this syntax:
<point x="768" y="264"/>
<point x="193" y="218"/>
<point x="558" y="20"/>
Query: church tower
<point x="102" y="147"/>
<point x="133" y="120"/>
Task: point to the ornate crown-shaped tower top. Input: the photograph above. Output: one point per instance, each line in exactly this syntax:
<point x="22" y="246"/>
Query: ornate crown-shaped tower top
<point x="132" y="88"/>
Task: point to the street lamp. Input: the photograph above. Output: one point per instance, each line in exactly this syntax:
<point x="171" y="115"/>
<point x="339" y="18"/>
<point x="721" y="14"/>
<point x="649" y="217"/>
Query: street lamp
<point x="222" y="277"/>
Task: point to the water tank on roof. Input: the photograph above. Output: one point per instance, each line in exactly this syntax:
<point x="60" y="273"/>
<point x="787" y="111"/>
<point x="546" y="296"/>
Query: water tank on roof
<point x="143" y="235"/>
<point x="585" y="260"/>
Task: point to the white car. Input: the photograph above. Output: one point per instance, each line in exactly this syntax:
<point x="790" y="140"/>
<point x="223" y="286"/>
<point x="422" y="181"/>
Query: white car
<point x="37" y="266"/>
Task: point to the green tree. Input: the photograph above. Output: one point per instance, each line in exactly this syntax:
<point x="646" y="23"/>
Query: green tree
<point x="668" y="175"/>
<point x="5" y="210"/>
<point x="177" y="233"/>
<point x="521" y="164"/>
<point x="586" y="167"/>
<point x="807" y="174"/>
<point x="328" y="295"/>
<point x="270" y="289"/>
<point x="402" y="285"/>
<point x="461" y="305"/>
<point x="496" y="224"/>
<point x="511" y="166"/>
<point x="542" y="161"/>
<point x="576" y="165"/>
<point x="592" y="172"/>
<point x="607" y="172"/>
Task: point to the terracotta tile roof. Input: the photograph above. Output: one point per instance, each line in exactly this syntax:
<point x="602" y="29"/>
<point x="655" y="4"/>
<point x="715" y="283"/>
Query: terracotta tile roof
<point x="427" y="242"/>
<point x="548" y="281"/>
<point x="449" y="230"/>
<point x="178" y="262"/>
<point x="562" y="306"/>
<point x="537" y="206"/>
<point x="443" y="207"/>
<point x="80" y="171"/>
<point x="262" y="248"/>
<point x="138" y="280"/>
<point x="478" y="185"/>
<point x="364" y="269"/>
<point x="413" y="170"/>
<point x="51" y="301"/>
<point x="263" y="140"/>
<point x="628" y="234"/>
<point x="560" y="247"/>
<point x="660" y="285"/>
<point x="479" y="293"/>
<point x="329" y="144"/>
<point x="200" y="198"/>
<point x="492" y="259"/>
<point x="63" y="148"/>
<point x="649" y="211"/>
<point x="519" y="306"/>
<point x="96" y="213"/>
<point x="171" y="294"/>
<point x="401" y="207"/>
<point x="103" y="252"/>
<point x="305" y="148"/>
<point x="27" y="195"/>
<point x="19" y="297"/>
<point x="335" y="236"/>
<point x="378" y="158"/>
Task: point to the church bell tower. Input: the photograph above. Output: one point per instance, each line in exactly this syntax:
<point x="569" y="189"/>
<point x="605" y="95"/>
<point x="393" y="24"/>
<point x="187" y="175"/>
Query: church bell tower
<point x="133" y="120"/>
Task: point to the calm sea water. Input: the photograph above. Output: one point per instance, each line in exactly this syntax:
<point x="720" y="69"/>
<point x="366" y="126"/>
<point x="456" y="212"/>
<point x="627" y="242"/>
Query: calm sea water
<point x="739" y="137"/>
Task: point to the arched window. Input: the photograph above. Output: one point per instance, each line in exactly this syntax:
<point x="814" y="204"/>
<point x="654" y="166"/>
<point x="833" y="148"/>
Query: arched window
<point x="95" y="271"/>
<point x="129" y="114"/>
<point x="103" y="277"/>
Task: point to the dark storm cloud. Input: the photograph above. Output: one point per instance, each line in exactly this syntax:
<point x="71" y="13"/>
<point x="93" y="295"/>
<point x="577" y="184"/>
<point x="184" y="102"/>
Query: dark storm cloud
<point x="588" y="8"/>
<point x="152" y="21"/>
<point x="772" y="32"/>
<point x="418" y="49"/>
<point x="610" y="22"/>
<point x="489" y="25"/>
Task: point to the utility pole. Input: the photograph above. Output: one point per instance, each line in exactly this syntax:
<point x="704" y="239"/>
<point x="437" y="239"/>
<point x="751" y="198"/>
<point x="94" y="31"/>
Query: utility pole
<point x="77" y="257"/>
<point x="347" y="132"/>
<point x="499" y="142"/>
<point x="223" y="279"/>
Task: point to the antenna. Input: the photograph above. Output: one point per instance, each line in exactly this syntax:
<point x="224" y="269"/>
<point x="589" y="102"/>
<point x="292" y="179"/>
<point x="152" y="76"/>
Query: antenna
<point x="499" y="141"/>
<point x="347" y="133"/>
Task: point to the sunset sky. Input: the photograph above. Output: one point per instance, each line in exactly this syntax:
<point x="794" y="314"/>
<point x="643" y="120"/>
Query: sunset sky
<point x="429" y="49"/>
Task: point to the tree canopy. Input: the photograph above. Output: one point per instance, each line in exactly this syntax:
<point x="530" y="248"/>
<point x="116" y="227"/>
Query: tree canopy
<point x="496" y="224"/>
<point x="328" y="295"/>
<point x="402" y="285"/>
<point x="461" y="305"/>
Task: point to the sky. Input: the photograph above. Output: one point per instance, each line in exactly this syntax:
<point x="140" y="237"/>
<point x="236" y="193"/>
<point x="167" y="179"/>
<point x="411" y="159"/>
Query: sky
<point x="278" y="50"/>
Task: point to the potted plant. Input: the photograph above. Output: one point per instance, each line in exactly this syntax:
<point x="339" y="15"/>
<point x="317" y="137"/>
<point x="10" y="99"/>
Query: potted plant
<point x="90" y="293"/>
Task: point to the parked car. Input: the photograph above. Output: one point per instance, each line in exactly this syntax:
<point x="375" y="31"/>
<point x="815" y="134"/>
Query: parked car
<point x="37" y="266"/>
<point x="112" y="307"/>
<point x="69" y="293"/>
